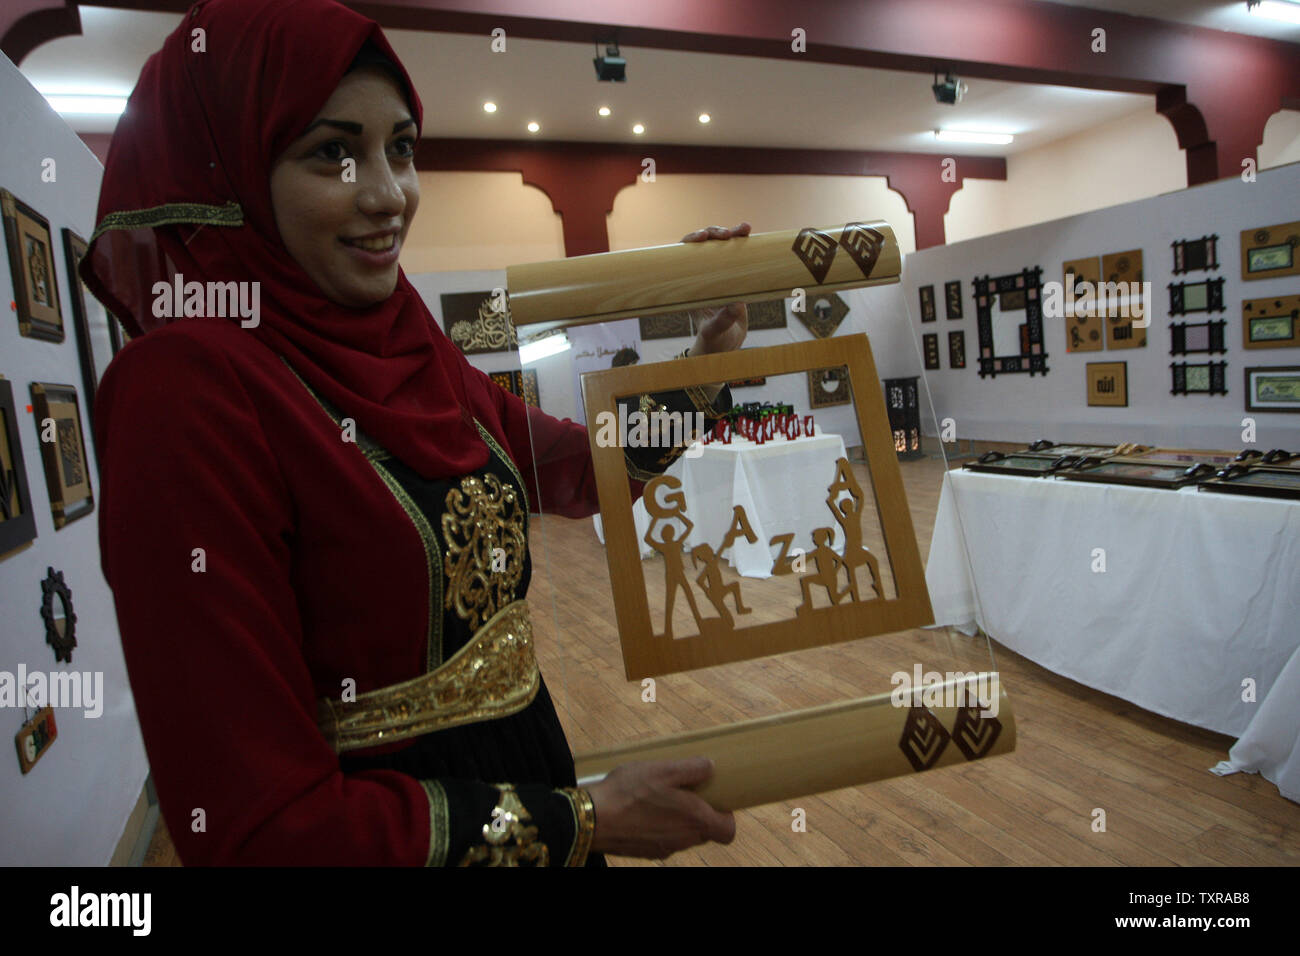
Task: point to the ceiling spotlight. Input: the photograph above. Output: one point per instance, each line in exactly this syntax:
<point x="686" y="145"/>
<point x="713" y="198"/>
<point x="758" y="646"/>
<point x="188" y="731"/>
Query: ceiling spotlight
<point x="638" y="129"/>
<point x="489" y="107"/>
<point x="534" y="127"/>
<point x="950" y="91"/>
<point x="705" y="117"/>
<point x="603" y="111"/>
<point x="610" y="68"/>
<point x="1275" y="10"/>
<point x="964" y="136"/>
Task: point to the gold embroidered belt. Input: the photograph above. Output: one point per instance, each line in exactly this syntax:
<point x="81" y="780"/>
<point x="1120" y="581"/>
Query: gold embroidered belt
<point x="494" y="675"/>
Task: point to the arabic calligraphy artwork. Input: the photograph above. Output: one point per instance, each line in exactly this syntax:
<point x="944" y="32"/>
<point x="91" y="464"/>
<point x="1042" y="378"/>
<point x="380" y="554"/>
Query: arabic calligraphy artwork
<point x="852" y="572"/>
<point x="1008" y="341"/>
<point x="522" y="383"/>
<point x="1270" y="252"/>
<point x="1272" y="323"/>
<point x="63" y="451"/>
<point x="478" y="322"/>
<point x="31" y="264"/>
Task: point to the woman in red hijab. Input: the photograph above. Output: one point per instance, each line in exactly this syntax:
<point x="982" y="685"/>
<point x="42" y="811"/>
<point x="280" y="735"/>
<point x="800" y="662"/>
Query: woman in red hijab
<point x="305" y="483"/>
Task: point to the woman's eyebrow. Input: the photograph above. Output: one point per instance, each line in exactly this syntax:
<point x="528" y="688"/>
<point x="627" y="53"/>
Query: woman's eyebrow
<point x="353" y="128"/>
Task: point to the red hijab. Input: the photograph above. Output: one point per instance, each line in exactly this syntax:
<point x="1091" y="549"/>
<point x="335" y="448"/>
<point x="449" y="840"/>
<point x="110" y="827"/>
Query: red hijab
<point x="187" y="190"/>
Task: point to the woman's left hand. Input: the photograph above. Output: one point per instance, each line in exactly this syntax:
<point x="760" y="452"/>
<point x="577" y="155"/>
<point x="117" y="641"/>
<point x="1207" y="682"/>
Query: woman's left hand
<point x="723" y="328"/>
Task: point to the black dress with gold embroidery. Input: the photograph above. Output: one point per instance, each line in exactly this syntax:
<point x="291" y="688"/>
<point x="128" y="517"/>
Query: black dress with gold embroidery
<point x="481" y="521"/>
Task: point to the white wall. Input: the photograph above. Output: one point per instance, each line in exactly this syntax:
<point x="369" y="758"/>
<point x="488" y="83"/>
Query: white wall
<point x="1132" y="157"/>
<point x="72" y="807"/>
<point x="1281" y="143"/>
<point x="1017" y="407"/>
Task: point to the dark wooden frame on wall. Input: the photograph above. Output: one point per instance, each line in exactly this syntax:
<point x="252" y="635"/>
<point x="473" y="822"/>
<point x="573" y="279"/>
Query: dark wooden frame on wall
<point x="952" y="303"/>
<point x="1032" y="357"/>
<point x="1217" y="334"/>
<point x="35" y="320"/>
<point x="19" y="529"/>
<point x="1213" y="296"/>
<point x="1250" y="391"/>
<point x="1209" y="246"/>
<point x="1218" y="372"/>
<point x="64" y="511"/>
<point x="74" y="250"/>
<point x="928" y="311"/>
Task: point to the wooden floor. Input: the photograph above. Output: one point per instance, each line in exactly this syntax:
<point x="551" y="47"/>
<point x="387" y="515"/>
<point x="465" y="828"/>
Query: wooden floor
<point x="1078" y="750"/>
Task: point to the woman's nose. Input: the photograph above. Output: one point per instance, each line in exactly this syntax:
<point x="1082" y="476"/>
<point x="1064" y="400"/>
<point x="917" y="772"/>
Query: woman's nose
<point x="380" y="192"/>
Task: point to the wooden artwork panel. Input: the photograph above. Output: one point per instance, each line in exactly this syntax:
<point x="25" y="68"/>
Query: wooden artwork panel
<point x="1270" y="252"/>
<point x="1108" y="384"/>
<point x="1271" y="323"/>
<point x="833" y="598"/>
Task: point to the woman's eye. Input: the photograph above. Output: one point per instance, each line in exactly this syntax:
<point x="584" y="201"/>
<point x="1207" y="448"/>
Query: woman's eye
<point x="332" y="151"/>
<point x="405" y="146"/>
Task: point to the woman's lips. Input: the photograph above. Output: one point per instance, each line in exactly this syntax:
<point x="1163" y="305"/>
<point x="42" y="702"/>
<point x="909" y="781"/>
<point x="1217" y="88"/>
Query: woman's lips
<point x="378" y="251"/>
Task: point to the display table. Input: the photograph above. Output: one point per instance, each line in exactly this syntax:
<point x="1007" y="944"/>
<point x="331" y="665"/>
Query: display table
<point x="1199" y="593"/>
<point x="781" y="484"/>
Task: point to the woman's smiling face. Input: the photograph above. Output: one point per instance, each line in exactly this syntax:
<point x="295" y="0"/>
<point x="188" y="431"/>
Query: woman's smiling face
<point x="343" y="223"/>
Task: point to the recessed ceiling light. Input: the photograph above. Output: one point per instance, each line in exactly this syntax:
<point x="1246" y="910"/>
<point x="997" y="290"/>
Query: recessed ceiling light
<point x="638" y="129"/>
<point x="1275" y="10"/>
<point x="963" y="136"/>
<point x="705" y="117"/>
<point x="489" y="107"/>
<point x="603" y="111"/>
<point x="534" y="127"/>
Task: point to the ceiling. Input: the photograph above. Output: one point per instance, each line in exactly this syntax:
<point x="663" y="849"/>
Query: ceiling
<point x="1214" y="14"/>
<point x="751" y="101"/>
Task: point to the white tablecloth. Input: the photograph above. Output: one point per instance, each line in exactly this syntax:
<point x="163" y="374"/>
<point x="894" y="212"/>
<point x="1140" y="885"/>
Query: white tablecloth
<point x="781" y="484"/>
<point x="1200" y="593"/>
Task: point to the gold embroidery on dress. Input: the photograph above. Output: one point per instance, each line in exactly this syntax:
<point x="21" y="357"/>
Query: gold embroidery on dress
<point x="510" y="839"/>
<point x="484" y="531"/>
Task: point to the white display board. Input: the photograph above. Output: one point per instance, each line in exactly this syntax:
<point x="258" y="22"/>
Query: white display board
<point x="72" y="807"/>
<point x="1016" y="407"/>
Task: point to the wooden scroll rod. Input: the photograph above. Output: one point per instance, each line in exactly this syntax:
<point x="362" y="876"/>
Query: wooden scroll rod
<point x="845" y="744"/>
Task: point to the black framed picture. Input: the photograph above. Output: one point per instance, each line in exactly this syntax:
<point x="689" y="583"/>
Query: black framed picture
<point x="1192" y="255"/>
<point x="17" y="520"/>
<point x="957" y="349"/>
<point x="930" y="346"/>
<point x="1188" y="338"/>
<point x="952" y="299"/>
<point x="1199" y="378"/>
<point x="74" y="250"/>
<point x="1009" y="319"/>
<point x="31" y="263"/>
<point x="1203" y="296"/>
<point x="926" y="293"/>
<point x="63" y="451"/>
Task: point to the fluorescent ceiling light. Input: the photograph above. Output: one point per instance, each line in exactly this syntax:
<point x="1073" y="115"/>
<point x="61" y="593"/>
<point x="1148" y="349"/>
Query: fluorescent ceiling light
<point x="83" y="103"/>
<point x="1276" y="10"/>
<point x="540" y="348"/>
<point x="962" y="136"/>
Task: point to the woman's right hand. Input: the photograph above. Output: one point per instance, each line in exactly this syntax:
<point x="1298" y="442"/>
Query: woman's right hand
<point x="647" y="809"/>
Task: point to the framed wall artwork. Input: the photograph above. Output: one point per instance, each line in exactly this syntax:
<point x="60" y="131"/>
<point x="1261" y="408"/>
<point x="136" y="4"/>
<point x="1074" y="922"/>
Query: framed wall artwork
<point x="1199" y="378"/>
<point x="927" y="303"/>
<point x="666" y="325"/>
<point x="1003" y="305"/>
<point x="957" y="349"/>
<point x="825" y="312"/>
<point x="1108" y="384"/>
<point x="31" y="262"/>
<point x="74" y="250"/>
<point x="829" y="386"/>
<point x="475" y="323"/>
<point x="1271" y="323"/>
<point x="1188" y="338"/>
<point x="58" y="615"/>
<point x="1191" y="255"/>
<point x="1084" y="333"/>
<point x="63" y="451"/>
<point x="952" y="299"/>
<point x="17" y="521"/>
<point x="1121" y="333"/>
<point x="520" y="382"/>
<point x="930" y="346"/>
<point x="1203" y="296"/>
<point x="1122" y="266"/>
<point x="1273" y="388"/>
<point x="1082" y="270"/>
<point x="1271" y="251"/>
